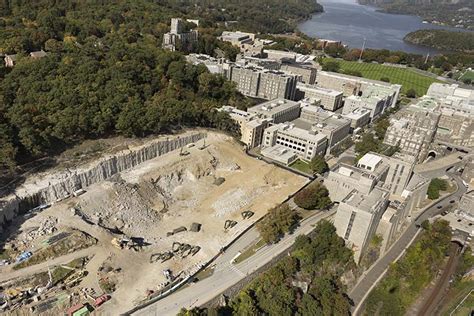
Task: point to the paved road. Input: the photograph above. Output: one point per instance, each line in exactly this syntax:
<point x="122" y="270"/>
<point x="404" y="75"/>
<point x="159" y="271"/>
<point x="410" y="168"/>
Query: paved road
<point x="227" y="274"/>
<point x="40" y="267"/>
<point x="373" y="275"/>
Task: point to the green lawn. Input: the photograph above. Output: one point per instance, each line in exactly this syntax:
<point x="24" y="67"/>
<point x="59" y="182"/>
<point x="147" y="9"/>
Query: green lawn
<point x="301" y="166"/>
<point x="467" y="75"/>
<point x="404" y="76"/>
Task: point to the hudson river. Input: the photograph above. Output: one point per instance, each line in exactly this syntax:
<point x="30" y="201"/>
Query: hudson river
<point x="349" y="22"/>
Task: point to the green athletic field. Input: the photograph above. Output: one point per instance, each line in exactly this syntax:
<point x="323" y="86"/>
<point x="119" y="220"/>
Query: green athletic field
<point x="407" y="77"/>
<point x="467" y="75"/>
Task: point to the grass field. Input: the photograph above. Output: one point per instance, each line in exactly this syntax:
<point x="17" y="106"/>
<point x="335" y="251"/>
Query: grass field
<point x="301" y="166"/>
<point x="467" y="75"/>
<point x="404" y="76"/>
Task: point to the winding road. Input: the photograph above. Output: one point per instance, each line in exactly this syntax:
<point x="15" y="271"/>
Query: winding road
<point x="227" y="274"/>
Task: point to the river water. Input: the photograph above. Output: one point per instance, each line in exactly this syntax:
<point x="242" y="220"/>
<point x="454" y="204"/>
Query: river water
<point x="349" y="22"/>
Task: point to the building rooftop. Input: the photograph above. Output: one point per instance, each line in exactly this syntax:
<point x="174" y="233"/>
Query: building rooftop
<point x="38" y="54"/>
<point x="426" y="103"/>
<point x="237" y="114"/>
<point x="291" y="130"/>
<point x="367" y="203"/>
<point x="282" y="152"/>
<point x="317" y="89"/>
<point x="360" y="79"/>
<point x="235" y="36"/>
<point x="357" y="113"/>
<point x="272" y="107"/>
<point x="370" y="160"/>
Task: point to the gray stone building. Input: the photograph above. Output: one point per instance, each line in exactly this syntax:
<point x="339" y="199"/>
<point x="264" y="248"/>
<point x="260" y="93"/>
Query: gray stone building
<point x="260" y="83"/>
<point x="178" y="38"/>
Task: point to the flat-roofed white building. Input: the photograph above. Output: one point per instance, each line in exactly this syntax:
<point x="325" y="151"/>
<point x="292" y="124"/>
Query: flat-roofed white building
<point x="329" y="99"/>
<point x="305" y="144"/>
<point x="278" y="110"/>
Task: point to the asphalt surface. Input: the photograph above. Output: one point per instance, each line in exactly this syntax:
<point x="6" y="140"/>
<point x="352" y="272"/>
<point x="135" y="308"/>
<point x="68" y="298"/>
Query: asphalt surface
<point x="227" y="274"/>
<point x="373" y="275"/>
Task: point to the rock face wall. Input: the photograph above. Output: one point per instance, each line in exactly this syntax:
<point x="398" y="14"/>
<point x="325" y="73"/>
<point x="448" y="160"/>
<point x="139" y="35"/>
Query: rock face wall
<point x="61" y="185"/>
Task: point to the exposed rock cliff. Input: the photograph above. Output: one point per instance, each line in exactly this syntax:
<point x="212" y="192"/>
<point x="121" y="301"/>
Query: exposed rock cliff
<point x="51" y="187"/>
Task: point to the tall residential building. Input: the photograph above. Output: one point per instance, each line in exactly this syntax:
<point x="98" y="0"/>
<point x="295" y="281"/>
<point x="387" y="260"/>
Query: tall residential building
<point x="278" y="110"/>
<point x="351" y="85"/>
<point x="177" y="38"/>
<point x="329" y="99"/>
<point x="399" y="173"/>
<point x="251" y="126"/>
<point x="305" y="144"/>
<point x="363" y="194"/>
<point x="358" y="216"/>
<point x="306" y="71"/>
<point x="261" y="83"/>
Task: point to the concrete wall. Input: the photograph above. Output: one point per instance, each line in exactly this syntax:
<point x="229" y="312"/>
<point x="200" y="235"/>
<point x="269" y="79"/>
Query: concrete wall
<point x="63" y="184"/>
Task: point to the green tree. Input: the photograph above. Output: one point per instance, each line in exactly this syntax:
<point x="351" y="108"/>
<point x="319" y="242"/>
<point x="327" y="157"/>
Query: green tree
<point x="276" y="223"/>
<point x="314" y="196"/>
<point x="367" y="143"/>
<point x="318" y="165"/>
<point x="381" y="127"/>
<point x="435" y="186"/>
<point x="330" y="65"/>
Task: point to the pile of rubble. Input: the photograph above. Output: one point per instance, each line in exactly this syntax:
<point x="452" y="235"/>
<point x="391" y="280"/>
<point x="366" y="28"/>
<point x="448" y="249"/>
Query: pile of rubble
<point x="46" y="227"/>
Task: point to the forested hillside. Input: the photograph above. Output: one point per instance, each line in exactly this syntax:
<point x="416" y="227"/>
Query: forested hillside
<point x="105" y="72"/>
<point x="458" y="13"/>
<point x="443" y="40"/>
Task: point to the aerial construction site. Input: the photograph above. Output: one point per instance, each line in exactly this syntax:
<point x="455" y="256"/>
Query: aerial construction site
<point x="118" y="221"/>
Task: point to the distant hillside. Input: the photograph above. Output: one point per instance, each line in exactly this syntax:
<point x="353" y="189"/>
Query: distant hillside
<point x="443" y="40"/>
<point x="459" y="13"/>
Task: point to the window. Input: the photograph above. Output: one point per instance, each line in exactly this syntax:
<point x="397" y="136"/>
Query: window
<point x="349" y="226"/>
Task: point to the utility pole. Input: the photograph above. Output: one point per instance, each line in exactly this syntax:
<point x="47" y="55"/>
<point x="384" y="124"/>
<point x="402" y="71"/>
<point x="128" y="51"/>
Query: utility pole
<point x="362" y="50"/>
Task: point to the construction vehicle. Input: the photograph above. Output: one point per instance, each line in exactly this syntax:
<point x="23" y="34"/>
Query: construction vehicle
<point x="229" y="224"/>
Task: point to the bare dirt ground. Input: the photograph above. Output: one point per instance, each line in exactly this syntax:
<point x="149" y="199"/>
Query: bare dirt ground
<point x="159" y="196"/>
